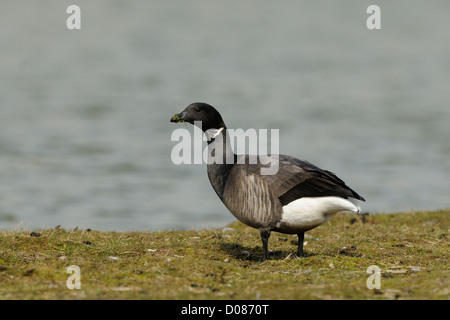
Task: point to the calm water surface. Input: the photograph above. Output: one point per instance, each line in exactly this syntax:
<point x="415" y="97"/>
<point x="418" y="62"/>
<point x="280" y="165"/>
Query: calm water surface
<point x="84" y="115"/>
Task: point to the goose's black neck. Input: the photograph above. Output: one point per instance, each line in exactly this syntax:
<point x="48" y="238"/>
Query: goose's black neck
<point x="221" y="160"/>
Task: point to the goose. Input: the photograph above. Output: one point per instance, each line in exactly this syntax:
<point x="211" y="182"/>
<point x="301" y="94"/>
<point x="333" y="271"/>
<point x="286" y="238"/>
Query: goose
<point x="297" y="198"/>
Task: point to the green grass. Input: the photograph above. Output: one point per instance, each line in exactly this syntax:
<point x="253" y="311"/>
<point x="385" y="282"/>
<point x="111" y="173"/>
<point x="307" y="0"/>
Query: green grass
<point x="411" y="249"/>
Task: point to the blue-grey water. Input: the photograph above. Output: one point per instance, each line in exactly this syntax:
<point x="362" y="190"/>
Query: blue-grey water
<point x="84" y="114"/>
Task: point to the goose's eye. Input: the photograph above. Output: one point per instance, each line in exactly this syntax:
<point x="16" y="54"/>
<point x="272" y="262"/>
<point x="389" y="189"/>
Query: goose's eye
<point x="198" y="110"/>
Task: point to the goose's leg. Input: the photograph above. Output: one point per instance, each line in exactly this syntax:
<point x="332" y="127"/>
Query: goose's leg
<point x="301" y="237"/>
<point x="265" y="234"/>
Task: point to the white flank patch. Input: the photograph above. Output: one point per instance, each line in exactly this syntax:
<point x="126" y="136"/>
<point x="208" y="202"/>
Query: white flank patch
<point x="310" y="212"/>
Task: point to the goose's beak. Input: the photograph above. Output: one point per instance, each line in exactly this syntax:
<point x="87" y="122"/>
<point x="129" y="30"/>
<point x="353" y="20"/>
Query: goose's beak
<point x="177" y="118"/>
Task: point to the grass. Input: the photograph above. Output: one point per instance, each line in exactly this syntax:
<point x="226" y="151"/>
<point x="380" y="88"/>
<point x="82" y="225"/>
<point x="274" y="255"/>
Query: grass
<point x="410" y="248"/>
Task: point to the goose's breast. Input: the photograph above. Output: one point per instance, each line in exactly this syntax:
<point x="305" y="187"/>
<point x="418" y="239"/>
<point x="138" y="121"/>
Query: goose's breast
<point x="249" y="200"/>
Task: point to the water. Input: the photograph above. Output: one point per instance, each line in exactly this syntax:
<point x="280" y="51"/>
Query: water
<point x="84" y="127"/>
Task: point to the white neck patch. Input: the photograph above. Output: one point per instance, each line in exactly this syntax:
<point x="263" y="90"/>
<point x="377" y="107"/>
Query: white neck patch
<point x="212" y="133"/>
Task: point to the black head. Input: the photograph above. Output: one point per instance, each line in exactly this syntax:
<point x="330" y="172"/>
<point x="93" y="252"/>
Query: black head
<point x="210" y="118"/>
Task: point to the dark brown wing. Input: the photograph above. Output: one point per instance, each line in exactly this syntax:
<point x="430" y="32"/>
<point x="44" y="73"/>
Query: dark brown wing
<point x="298" y="178"/>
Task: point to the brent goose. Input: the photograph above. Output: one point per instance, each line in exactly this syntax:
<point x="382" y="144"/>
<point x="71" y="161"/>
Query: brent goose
<point x="297" y="198"/>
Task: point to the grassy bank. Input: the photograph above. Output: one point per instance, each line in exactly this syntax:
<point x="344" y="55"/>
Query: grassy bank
<point x="411" y="249"/>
